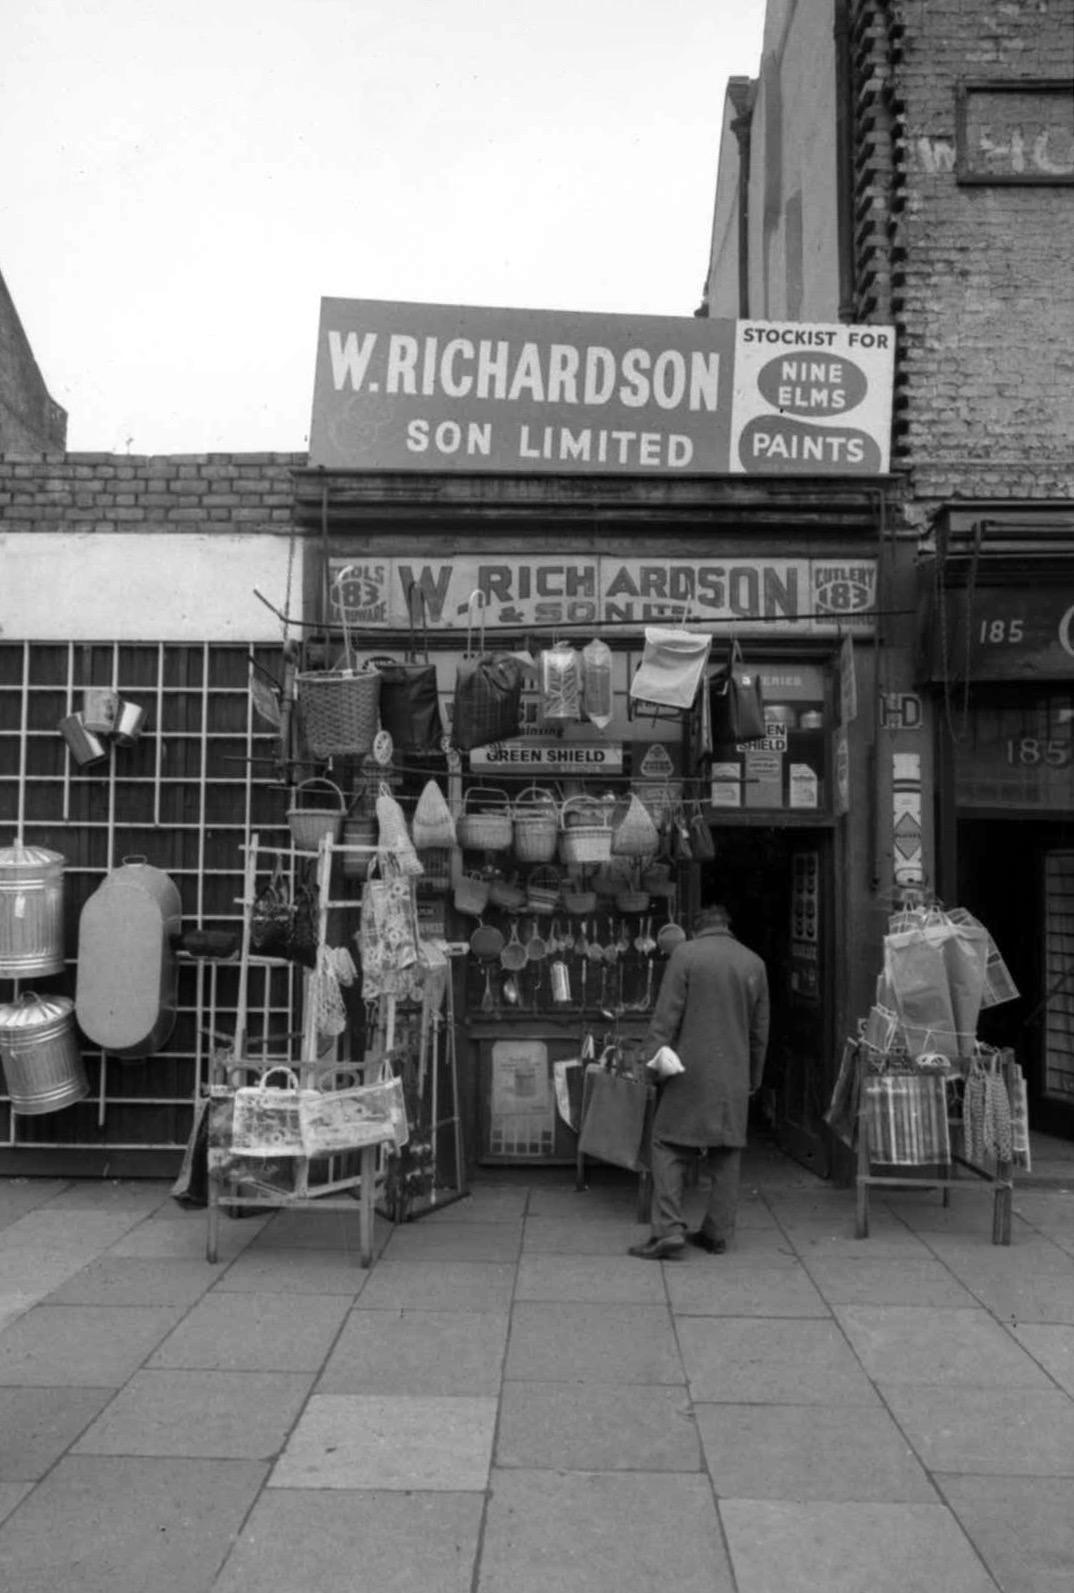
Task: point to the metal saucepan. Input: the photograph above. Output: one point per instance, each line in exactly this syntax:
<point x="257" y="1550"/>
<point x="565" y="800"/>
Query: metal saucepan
<point x="486" y="942"/>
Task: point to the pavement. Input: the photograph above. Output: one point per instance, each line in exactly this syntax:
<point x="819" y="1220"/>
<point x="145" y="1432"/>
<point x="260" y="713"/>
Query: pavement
<point x="506" y="1402"/>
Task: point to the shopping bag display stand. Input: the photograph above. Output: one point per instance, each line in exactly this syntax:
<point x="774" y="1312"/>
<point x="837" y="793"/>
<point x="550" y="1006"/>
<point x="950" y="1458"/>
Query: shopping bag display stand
<point x="941" y="1175"/>
<point x="236" y="1184"/>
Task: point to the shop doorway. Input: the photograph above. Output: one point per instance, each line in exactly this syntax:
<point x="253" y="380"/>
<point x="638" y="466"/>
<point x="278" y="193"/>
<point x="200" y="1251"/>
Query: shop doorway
<point x="1017" y="877"/>
<point x="777" y="884"/>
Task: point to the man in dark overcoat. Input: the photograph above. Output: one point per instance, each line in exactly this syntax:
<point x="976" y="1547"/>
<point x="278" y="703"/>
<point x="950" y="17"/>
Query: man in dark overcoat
<point x="712" y="1010"/>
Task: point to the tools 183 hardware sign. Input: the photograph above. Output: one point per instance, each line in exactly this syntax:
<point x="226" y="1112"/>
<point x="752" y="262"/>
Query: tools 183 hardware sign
<point x="808" y="596"/>
<point x="433" y="387"/>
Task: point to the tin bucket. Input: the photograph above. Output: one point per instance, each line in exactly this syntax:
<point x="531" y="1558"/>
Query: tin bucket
<point x="41" y="1056"/>
<point x="31" y="912"/>
<point x="83" y="744"/>
<point x="130" y="722"/>
<point x="100" y="707"/>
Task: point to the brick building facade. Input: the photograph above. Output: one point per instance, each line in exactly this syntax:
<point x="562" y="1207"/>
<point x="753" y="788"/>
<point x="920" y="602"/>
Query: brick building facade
<point x="928" y="184"/>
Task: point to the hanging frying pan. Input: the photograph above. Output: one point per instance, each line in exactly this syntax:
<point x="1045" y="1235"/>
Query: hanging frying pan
<point x="486" y="942"/>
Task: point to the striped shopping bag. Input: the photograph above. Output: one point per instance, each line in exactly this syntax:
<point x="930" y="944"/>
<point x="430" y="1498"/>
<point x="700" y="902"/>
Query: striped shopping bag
<point x="906" y="1119"/>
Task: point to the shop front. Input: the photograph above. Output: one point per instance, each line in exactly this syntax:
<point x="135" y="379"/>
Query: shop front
<point x="999" y="657"/>
<point x="561" y="941"/>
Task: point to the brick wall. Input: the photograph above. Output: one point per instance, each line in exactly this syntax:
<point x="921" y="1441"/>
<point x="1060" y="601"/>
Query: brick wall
<point x="981" y="273"/>
<point x="128" y="492"/>
<point x="29" y="418"/>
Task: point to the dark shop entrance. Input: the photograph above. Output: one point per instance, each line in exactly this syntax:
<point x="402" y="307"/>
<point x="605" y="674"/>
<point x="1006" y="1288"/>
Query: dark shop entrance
<point x="777" y="884"/>
<point x="1017" y="876"/>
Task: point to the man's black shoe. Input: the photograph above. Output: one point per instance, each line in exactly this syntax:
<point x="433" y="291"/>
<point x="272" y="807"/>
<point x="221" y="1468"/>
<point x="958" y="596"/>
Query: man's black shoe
<point x="715" y="1247"/>
<point x="659" y="1250"/>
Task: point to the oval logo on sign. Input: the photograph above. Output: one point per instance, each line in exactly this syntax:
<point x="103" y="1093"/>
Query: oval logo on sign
<point x="778" y="445"/>
<point x="842" y="594"/>
<point x="812" y="384"/>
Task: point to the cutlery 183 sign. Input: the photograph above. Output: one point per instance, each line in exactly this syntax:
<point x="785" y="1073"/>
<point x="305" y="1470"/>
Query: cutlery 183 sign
<point x="436" y="387"/>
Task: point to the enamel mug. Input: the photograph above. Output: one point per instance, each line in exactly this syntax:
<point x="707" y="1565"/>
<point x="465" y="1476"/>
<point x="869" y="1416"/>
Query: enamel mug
<point x="130" y="722"/>
<point x="84" y="746"/>
<point x="100" y="705"/>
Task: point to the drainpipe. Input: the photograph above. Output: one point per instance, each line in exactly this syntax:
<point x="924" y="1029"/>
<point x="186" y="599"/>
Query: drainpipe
<point x="742" y="95"/>
<point x="844" y="161"/>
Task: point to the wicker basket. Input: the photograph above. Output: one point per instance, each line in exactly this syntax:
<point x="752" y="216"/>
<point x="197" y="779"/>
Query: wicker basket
<point x="359" y="832"/>
<point x="309" y="823"/>
<point x="586" y="837"/>
<point x="507" y="895"/>
<point x="577" y="902"/>
<point x="485" y="823"/>
<point x="340" y="711"/>
<point x="471" y="894"/>
<point x="632" y="901"/>
<point x="536" y="822"/>
<point x="543" y="890"/>
<point x="635" y="835"/>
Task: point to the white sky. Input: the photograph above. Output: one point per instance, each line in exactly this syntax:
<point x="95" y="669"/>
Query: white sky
<point x="183" y="182"/>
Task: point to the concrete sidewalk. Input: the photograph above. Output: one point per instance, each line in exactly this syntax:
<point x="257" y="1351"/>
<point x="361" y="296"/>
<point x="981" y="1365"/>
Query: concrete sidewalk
<point x="508" y="1403"/>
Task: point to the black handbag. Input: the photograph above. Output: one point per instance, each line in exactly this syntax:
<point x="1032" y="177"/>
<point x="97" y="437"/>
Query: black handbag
<point x="272" y="917"/>
<point x="488" y="696"/>
<point x="409" y="695"/>
<point x="736" y="701"/>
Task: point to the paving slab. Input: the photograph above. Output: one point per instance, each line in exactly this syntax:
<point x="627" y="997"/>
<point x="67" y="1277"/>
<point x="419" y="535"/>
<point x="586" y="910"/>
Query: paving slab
<point x="171" y="1233"/>
<point x="67" y="1230"/>
<point x="596" y="1427"/>
<point x="455" y="1241"/>
<point x="850" y="1280"/>
<point x="98" y="1524"/>
<point x="139" y="1195"/>
<point x="581" y="1236"/>
<point x="790" y="1362"/>
<point x="1022" y="1527"/>
<point x="617" y="1204"/>
<point x="846" y="1548"/>
<point x="299" y="1272"/>
<point x="555" y="1342"/>
<point x="607" y="1280"/>
<point x="40" y="1424"/>
<point x="417" y="1352"/>
<point x="345" y="1541"/>
<point x="801" y="1452"/>
<point x="11" y="1495"/>
<point x="81" y="1346"/>
<point x="126" y="1280"/>
<point x="484" y="1203"/>
<point x="14" y="1304"/>
<point x="991" y="1432"/>
<point x="1052" y="1346"/>
<point x="336" y="1229"/>
<point x="254" y="1333"/>
<point x="213" y="1415"/>
<point x="1029" y="1297"/>
<point x="920" y="1344"/>
<point x="707" y="1288"/>
<point x="389" y="1442"/>
<point x="439" y="1285"/>
<point x="20" y="1195"/>
<point x="588" y="1532"/>
<point x="25" y="1270"/>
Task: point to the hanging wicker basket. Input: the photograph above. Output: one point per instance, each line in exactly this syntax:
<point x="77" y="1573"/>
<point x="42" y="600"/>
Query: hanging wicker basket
<point x="309" y="822"/>
<point x="340" y="711"/>
<point x="485" y="824"/>
<point x="586" y="837"/>
<point x="536" y="822"/>
<point x="359" y="831"/>
<point x="635" y="835"/>
<point x="577" y="902"/>
<point x="506" y="894"/>
<point x="543" y="890"/>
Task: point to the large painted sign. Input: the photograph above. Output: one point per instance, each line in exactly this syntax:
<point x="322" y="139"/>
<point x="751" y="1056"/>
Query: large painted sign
<point x="808" y="596"/>
<point x="433" y="387"/>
